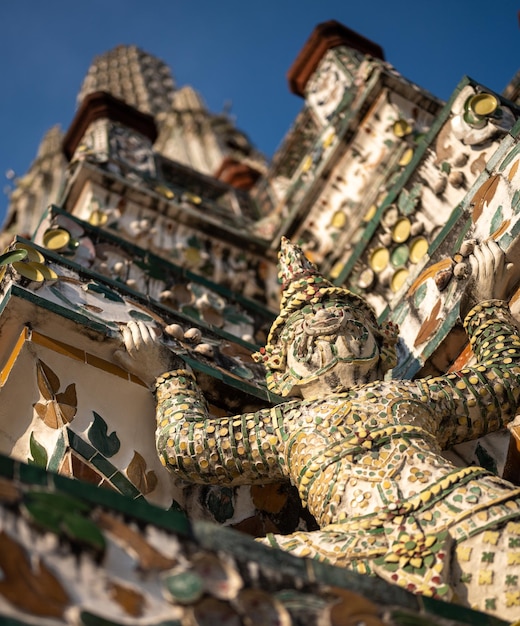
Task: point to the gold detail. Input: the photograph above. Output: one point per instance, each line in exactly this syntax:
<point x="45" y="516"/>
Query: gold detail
<point x="485" y="577"/>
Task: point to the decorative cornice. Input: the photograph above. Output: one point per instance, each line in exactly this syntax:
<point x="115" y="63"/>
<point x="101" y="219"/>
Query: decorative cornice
<point x="101" y="104"/>
<point x="325" y="36"/>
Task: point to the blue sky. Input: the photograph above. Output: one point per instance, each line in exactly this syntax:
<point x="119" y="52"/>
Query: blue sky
<point x="232" y="51"/>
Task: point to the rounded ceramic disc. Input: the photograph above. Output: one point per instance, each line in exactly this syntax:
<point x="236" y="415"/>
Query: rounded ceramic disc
<point x="483" y="104"/>
<point x="401" y="230"/>
<point x="370" y="213"/>
<point x="398" y="280"/>
<point x="400" y="255"/>
<point x="165" y="191"/>
<point x="32" y="253"/>
<point x="98" y="218"/>
<point x="418" y="248"/>
<point x="48" y="272"/>
<point x="379" y="259"/>
<point x="339" y="219"/>
<point x="407" y="157"/>
<point x="190" y="197"/>
<point x="366" y="278"/>
<point x="401" y="128"/>
<point x="56" y="239"/>
<point x="30" y="270"/>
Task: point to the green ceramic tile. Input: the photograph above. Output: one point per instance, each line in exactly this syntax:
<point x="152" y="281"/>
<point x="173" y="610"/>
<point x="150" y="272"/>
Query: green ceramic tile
<point x="32" y="474"/>
<point x="124" y="485"/>
<point x="7" y="467"/>
<point x="104" y="466"/>
<point x="57" y="454"/>
<point x="78" y="444"/>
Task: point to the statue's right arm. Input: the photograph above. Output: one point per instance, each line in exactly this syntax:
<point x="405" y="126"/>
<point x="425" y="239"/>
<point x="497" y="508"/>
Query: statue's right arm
<point x="485" y="397"/>
<point x="201" y="448"/>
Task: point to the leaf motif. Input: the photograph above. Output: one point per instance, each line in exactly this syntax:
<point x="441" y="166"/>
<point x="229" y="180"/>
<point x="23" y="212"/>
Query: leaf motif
<point x="131" y="601"/>
<point x="430" y="272"/>
<point x="136" y="470"/>
<point x="430" y="325"/>
<point x="40" y="409"/>
<point x="107" y="293"/>
<point x="483" y="196"/>
<point x="98" y="436"/>
<point x="38" y="452"/>
<point x="48" y="382"/>
<point x="138" y="315"/>
<point x="67" y="413"/>
<point x="50" y="414"/>
<point x="84" y="531"/>
<point x="145" y="481"/>
<point x="28" y="584"/>
<point x="151" y="481"/>
<point x="68" y="396"/>
<point x="149" y="557"/>
<point x="64" y="515"/>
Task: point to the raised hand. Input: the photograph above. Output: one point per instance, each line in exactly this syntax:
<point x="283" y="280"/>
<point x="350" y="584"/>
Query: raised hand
<point x="144" y="355"/>
<point x="491" y="278"/>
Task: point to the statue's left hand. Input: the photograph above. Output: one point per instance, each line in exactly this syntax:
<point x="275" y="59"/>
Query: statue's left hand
<point x="491" y="276"/>
<point x="144" y="354"/>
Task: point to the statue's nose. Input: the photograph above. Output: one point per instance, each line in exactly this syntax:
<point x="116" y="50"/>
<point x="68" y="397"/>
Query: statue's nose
<point x="322" y="314"/>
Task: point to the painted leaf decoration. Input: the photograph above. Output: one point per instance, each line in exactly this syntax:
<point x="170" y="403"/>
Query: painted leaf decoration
<point x="64" y="515"/>
<point x="38" y="452"/>
<point x="430" y="272"/>
<point x="483" y="196"/>
<point x="67" y="413"/>
<point x="430" y="325"/>
<point x="27" y="583"/>
<point x="107" y="293"/>
<point x="137" y="474"/>
<point x="48" y="382"/>
<point x="98" y="436"/>
<point x="130" y="600"/>
<point x="220" y="503"/>
<point x="68" y="396"/>
<point x="49" y="413"/>
<point x="143" y="317"/>
<point x="40" y="409"/>
<point x="84" y="531"/>
<point x="149" y="557"/>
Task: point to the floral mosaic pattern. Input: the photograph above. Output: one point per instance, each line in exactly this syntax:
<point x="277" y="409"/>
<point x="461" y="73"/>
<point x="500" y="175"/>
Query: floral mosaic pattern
<point x="172" y="573"/>
<point x="167" y="284"/>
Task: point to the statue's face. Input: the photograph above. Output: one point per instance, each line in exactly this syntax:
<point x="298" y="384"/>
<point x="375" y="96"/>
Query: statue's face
<point x="330" y="348"/>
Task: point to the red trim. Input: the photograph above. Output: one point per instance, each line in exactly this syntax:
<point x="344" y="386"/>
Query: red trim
<point x="324" y="37"/>
<point x="101" y="104"/>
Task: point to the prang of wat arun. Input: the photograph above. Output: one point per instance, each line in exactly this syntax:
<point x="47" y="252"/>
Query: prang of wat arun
<point x="153" y="221"/>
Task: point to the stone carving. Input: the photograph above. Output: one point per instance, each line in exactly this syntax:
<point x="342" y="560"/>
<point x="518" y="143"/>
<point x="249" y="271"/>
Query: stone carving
<point x="365" y="452"/>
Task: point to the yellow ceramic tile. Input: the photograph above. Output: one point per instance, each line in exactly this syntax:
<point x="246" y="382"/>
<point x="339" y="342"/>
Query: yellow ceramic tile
<point x="4" y="373"/>
<point x="106" y="366"/>
<point x="58" y="346"/>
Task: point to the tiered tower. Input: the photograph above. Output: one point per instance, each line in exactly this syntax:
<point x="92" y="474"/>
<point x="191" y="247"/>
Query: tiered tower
<point x="152" y="208"/>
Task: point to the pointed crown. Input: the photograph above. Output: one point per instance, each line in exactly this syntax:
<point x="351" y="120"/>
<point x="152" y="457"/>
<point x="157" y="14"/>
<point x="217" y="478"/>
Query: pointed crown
<point x="303" y="285"/>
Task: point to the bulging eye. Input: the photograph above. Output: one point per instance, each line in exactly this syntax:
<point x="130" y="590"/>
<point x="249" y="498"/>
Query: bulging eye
<point x="324" y="321"/>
